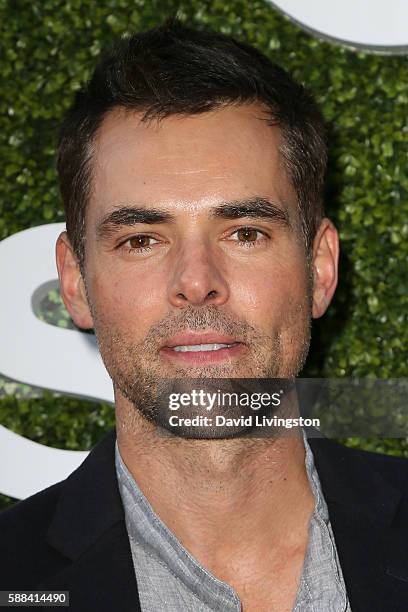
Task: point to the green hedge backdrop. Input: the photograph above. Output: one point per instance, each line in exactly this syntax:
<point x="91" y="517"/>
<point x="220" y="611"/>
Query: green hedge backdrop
<point x="49" y="49"/>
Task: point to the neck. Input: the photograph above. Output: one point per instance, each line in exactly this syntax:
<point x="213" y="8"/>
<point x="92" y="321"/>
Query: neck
<point x="218" y="495"/>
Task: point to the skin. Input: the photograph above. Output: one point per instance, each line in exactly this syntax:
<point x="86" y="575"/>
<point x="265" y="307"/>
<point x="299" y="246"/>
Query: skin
<point x="243" y="505"/>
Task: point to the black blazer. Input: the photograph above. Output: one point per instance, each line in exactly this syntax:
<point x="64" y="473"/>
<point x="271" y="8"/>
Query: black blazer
<point x="72" y="536"/>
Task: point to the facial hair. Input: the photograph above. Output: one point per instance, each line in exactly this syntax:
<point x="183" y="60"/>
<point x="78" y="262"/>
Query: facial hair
<point x="142" y="377"/>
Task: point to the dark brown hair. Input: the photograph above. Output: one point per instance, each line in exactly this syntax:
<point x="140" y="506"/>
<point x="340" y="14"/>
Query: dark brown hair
<point x="174" y="69"/>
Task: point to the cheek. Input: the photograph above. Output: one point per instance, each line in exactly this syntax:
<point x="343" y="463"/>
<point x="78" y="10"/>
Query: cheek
<point x="269" y="297"/>
<point x="127" y="300"/>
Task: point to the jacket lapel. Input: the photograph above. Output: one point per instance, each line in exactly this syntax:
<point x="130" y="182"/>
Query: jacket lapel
<point x="371" y="536"/>
<point x="89" y="529"/>
<point x="103" y="578"/>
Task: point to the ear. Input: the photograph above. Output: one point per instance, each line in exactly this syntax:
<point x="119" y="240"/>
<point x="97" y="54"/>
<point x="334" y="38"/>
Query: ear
<point x="325" y="266"/>
<point x="72" y="285"/>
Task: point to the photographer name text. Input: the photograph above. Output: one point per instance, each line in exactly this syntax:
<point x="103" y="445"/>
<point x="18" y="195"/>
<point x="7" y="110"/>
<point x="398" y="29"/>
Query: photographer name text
<point x="247" y="421"/>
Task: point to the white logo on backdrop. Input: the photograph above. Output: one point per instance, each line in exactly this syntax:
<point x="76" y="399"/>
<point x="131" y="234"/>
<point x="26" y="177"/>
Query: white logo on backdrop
<point x="41" y="355"/>
<point x="373" y="25"/>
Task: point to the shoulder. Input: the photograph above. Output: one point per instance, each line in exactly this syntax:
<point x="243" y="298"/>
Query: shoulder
<point x="25" y="553"/>
<point x="38" y="507"/>
<point x="39" y="535"/>
<point x="390" y="468"/>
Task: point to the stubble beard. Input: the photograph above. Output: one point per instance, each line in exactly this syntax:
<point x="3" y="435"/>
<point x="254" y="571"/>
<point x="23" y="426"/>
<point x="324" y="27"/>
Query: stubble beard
<point x="141" y="376"/>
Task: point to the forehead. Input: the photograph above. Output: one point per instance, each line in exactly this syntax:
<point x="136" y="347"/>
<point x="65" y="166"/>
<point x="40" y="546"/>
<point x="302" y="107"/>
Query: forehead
<point x="186" y="162"/>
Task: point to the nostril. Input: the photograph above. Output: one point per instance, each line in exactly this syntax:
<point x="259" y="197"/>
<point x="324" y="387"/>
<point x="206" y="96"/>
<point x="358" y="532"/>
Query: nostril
<point x="212" y="294"/>
<point x="182" y="296"/>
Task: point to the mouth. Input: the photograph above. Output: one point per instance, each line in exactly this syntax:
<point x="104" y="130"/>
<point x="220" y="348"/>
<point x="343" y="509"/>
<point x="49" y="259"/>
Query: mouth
<point x="202" y="348"/>
<point x="196" y="348"/>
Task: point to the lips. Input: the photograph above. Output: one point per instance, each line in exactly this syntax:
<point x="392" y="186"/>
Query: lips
<point x="197" y="338"/>
<point x="196" y="348"/>
<point x="207" y="348"/>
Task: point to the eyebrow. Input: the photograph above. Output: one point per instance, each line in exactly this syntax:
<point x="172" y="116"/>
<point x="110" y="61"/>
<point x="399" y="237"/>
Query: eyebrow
<point x="128" y="216"/>
<point x="254" y="208"/>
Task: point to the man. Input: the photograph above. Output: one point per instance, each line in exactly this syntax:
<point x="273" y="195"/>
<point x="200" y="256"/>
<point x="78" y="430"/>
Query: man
<point x="191" y="171"/>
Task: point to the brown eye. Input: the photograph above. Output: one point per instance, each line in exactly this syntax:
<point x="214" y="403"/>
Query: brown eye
<point x="247" y="234"/>
<point x="137" y="242"/>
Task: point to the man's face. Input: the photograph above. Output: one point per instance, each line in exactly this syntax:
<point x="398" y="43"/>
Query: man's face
<point x="219" y="260"/>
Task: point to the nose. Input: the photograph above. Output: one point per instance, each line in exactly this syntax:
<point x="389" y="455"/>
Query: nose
<point x="197" y="279"/>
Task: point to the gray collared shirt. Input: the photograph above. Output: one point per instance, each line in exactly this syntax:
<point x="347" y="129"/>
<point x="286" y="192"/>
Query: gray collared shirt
<point x="170" y="579"/>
